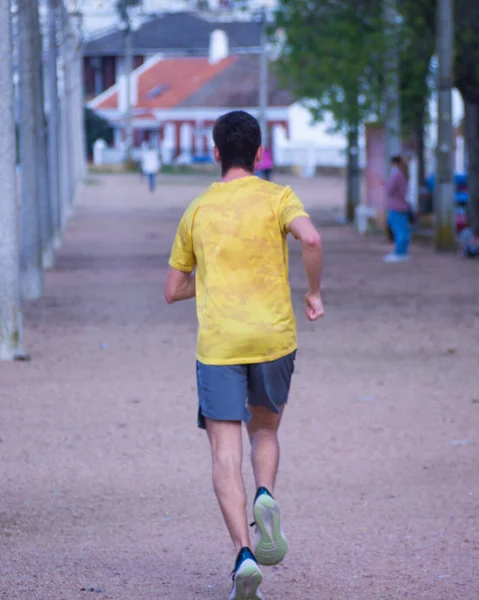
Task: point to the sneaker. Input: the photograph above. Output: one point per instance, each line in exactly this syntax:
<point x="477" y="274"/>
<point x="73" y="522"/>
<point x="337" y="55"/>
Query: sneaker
<point x="395" y="258"/>
<point x="270" y="544"/>
<point x="247" y="577"/>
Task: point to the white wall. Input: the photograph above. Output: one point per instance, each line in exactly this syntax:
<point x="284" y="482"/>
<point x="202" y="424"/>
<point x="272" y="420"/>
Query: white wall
<point x="303" y="130"/>
<point x="311" y="145"/>
<point x="457" y="114"/>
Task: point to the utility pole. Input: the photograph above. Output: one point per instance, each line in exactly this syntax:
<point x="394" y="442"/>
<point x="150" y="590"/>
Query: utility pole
<point x="128" y="70"/>
<point x="31" y="246"/>
<point x="263" y="79"/>
<point x="445" y="197"/>
<point x="10" y="312"/>
<point x="391" y="68"/>
<point x="54" y="123"/>
<point x="45" y="208"/>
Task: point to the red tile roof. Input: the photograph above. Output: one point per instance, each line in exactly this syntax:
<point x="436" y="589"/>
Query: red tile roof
<point x="110" y="101"/>
<point x="238" y="87"/>
<point x="168" y="83"/>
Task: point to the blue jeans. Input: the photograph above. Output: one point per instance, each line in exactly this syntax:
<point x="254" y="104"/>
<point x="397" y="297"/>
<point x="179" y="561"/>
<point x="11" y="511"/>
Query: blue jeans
<point x="399" y="224"/>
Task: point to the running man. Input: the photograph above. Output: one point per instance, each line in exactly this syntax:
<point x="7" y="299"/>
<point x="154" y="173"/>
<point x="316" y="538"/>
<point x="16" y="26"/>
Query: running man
<point x="234" y="236"/>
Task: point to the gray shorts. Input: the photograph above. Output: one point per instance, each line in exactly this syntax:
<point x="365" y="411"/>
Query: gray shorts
<point x="225" y="391"/>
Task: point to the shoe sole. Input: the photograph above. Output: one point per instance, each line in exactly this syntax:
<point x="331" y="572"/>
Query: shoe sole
<point x="272" y="546"/>
<point x="247" y="581"/>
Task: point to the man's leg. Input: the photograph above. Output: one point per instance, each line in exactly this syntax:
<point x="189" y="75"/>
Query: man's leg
<point x="151" y="181"/>
<point x="268" y="390"/>
<point x="263" y="435"/>
<point x="400" y="226"/>
<point x="227" y="455"/>
<point x="222" y="392"/>
<point x="270" y="545"/>
<point x="403" y="243"/>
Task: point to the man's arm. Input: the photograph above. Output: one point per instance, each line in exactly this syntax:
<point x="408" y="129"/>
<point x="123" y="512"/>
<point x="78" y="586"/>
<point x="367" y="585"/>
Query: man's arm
<point x="304" y="231"/>
<point x="179" y="286"/>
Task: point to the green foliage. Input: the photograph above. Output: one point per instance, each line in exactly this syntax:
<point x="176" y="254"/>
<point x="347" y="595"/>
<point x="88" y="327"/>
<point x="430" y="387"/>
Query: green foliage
<point x="95" y="128"/>
<point x="333" y="56"/>
<point x="416" y="50"/>
<point x="335" y="53"/>
<point x="466" y="67"/>
<point x="421" y="22"/>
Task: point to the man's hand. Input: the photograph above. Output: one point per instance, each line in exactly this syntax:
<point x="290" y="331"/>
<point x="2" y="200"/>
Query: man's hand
<point x="314" y="306"/>
<point x="304" y="231"/>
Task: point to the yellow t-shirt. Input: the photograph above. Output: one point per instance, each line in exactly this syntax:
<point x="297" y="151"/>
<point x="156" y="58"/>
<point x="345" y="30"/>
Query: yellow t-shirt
<point x="235" y="236"/>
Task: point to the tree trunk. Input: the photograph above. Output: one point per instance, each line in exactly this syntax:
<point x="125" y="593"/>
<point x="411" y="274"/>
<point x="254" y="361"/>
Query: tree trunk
<point x="80" y="109"/>
<point x="31" y="247"/>
<point x="42" y="145"/>
<point x="66" y="140"/>
<point x="472" y="141"/>
<point x="10" y="315"/>
<point x="391" y="82"/>
<point x="53" y="122"/>
<point x="444" y="202"/>
<point x="421" y="158"/>
<point x="354" y="174"/>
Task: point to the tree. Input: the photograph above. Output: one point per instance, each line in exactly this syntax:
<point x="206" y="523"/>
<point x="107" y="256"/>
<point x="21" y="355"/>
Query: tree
<point x="333" y="58"/>
<point x="466" y="75"/>
<point x="10" y="315"/>
<point x="418" y="41"/>
<point x="95" y="128"/>
<point x="421" y="18"/>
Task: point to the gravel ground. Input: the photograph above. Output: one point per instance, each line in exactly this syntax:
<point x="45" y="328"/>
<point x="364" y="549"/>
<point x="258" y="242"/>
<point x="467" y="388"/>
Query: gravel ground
<point x="105" y="480"/>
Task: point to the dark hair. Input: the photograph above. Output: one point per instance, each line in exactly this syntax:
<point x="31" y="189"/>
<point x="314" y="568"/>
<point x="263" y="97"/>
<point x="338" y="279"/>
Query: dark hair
<point x="402" y="165"/>
<point x="237" y="135"/>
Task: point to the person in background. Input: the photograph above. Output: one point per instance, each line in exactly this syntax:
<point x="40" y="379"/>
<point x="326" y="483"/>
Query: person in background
<point x="150" y="165"/>
<point x="143" y="147"/>
<point x="265" y="167"/>
<point x="398" y="209"/>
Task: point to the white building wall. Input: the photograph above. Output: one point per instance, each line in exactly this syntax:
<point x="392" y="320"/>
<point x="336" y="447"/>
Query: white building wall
<point x="309" y="144"/>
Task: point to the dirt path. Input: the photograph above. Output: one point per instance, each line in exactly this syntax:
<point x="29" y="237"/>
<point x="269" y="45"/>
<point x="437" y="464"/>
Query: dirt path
<point x="105" y="480"/>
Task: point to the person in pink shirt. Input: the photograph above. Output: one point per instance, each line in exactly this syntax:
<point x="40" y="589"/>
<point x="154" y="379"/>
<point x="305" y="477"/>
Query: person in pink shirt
<point x="398" y="209"/>
<point x="266" y="164"/>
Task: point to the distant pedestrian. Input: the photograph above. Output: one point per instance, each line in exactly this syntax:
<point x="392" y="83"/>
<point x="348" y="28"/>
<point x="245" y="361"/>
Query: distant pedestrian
<point x="150" y="165"/>
<point x="266" y="165"/>
<point x="144" y="146"/>
<point x="398" y="209"/>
